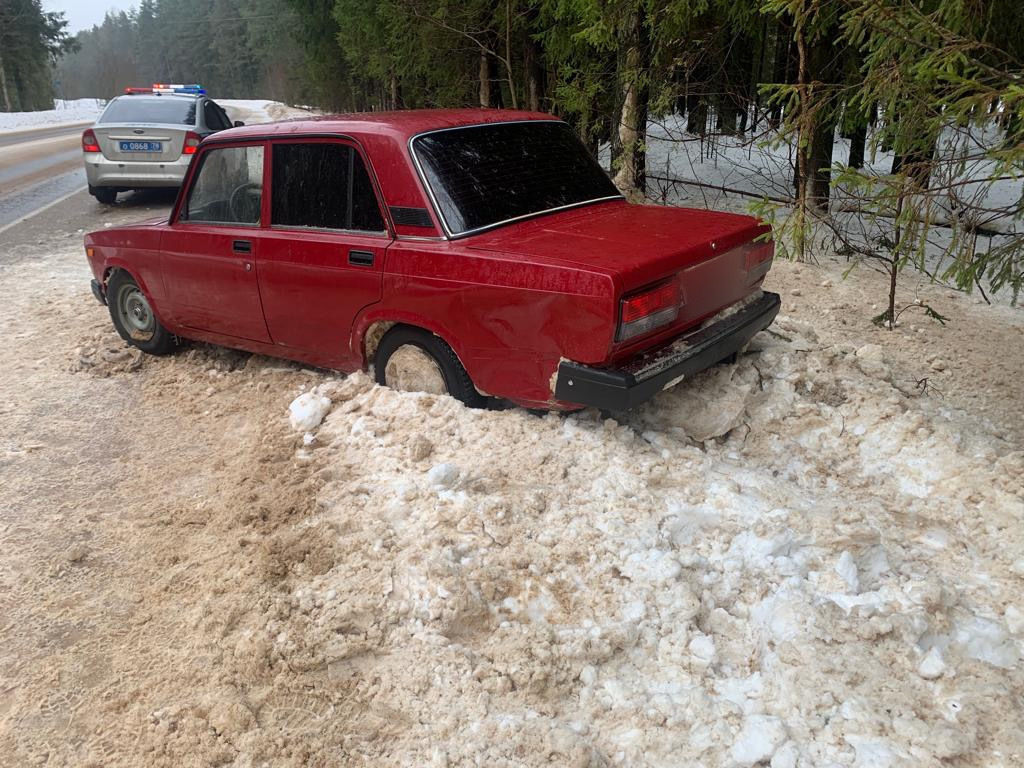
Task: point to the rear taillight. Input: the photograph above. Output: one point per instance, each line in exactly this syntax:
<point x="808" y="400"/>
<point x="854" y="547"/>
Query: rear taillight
<point x="89" y="143"/>
<point x="758" y="253"/>
<point x="191" y="143"/>
<point x="646" y="311"/>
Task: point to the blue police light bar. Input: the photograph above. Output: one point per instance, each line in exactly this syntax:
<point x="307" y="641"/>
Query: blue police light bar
<point x="194" y="89"/>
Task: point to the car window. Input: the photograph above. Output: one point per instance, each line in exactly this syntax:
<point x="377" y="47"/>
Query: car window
<point x="223" y="116"/>
<point x="228" y="186"/>
<point x="150" y="109"/>
<point x="215" y="118"/>
<point x="485" y="175"/>
<point x="322" y="186"/>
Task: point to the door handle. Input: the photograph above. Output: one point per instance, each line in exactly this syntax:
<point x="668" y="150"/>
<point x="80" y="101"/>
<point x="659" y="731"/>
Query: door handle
<point x="360" y="258"/>
<point x="241" y="246"/>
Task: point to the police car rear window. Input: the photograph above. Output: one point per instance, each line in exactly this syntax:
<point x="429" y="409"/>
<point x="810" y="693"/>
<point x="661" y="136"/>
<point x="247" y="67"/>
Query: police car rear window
<point x="155" y="109"/>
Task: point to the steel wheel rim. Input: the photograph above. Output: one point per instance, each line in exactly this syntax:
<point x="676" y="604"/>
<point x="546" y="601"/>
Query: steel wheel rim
<point x="136" y="315"/>
<point x="412" y="369"/>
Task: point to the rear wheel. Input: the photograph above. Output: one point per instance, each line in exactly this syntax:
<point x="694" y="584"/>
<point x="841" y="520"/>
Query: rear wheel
<point x="105" y="195"/>
<point x="414" y="360"/>
<point x="134" y="318"/>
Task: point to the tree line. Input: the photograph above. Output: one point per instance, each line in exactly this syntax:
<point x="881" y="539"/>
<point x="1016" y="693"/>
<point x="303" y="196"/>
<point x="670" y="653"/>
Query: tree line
<point x="31" y="40"/>
<point x="895" y="76"/>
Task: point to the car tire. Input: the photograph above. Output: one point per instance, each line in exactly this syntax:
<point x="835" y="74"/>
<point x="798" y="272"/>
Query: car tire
<point x="104" y="195"/>
<point x="413" y="360"/>
<point x="134" y="318"/>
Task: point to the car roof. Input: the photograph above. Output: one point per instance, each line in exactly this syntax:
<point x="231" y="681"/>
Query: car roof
<point x="403" y="124"/>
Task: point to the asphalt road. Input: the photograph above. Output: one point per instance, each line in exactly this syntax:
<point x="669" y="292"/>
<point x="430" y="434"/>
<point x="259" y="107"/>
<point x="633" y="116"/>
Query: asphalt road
<point x="74" y="215"/>
<point x="37" y="167"/>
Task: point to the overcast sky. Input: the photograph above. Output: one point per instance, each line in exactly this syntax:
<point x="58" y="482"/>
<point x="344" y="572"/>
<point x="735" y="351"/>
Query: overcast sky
<point x="82" y="14"/>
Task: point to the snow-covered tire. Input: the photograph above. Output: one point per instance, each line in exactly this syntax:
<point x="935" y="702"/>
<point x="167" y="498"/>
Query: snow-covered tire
<point x="104" y="195"/>
<point x="133" y="316"/>
<point x="413" y="360"/>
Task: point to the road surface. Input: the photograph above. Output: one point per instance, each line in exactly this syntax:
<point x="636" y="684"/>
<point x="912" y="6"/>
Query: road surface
<point x="37" y="167"/>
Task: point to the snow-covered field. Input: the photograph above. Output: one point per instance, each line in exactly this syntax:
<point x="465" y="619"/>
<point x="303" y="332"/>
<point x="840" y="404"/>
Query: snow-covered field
<point x="75" y="111"/>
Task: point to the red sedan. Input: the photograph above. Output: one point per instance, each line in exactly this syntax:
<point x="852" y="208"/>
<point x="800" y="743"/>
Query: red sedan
<point x="478" y="253"/>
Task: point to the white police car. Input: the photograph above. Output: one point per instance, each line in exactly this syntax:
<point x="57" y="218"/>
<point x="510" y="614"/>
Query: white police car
<point x="146" y="138"/>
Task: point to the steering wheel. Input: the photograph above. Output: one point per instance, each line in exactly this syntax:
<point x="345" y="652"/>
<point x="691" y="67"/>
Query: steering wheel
<point x="245" y="202"/>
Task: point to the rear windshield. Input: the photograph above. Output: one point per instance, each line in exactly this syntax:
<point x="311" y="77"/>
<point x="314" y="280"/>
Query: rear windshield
<point x="483" y="175"/>
<point x="150" y="109"/>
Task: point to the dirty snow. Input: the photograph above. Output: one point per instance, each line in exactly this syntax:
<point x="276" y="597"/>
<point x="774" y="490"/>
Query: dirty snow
<point x="824" y="580"/>
<point x="804" y="559"/>
<point x="64" y="112"/>
<point x="261" y="110"/>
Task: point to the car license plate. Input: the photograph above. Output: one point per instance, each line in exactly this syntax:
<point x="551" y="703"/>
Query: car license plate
<point x="142" y="146"/>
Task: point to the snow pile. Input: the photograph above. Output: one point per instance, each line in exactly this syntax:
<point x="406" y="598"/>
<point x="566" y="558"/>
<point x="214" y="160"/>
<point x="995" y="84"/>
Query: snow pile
<point x="828" y="575"/>
<point x="307" y="411"/>
<point x="260" y="110"/>
<point x="75" y="111"/>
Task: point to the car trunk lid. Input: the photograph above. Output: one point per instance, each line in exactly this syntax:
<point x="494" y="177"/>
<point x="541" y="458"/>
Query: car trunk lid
<point x="136" y="143"/>
<point x="641" y="245"/>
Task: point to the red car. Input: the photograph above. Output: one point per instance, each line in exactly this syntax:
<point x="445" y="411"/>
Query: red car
<point x="470" y="252"/>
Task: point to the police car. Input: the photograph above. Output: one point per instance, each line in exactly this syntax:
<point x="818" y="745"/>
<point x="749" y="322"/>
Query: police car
<point x="147" y="137"/>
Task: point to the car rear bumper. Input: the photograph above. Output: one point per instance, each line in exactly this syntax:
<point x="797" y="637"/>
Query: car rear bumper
<point x="125" y="174"/>
<point x="640" y="379"/>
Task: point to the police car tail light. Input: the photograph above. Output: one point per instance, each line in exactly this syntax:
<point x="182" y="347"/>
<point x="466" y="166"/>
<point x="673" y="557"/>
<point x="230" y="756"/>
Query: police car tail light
<point x="191" y="143"/>
<point x="89" y="143"/>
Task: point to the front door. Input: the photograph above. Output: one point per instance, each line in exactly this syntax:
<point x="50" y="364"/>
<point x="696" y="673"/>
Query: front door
<point x="211" y="253"/>
<point x="322" y="259"/>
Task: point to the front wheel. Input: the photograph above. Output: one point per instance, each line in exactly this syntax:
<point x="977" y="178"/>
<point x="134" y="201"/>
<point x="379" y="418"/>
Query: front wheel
<point x="133" y="316"/>
<point x="414" y="360"/>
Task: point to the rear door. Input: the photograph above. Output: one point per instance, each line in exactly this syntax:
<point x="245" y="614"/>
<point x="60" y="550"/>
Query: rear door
<point x="146" y="128"/>
<point x="322" y="259"/>
<point x="210" y="253"/>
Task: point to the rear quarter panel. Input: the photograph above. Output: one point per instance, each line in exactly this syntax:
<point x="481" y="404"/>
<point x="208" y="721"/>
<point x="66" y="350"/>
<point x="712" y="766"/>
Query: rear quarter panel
<point x="509" y="320"/>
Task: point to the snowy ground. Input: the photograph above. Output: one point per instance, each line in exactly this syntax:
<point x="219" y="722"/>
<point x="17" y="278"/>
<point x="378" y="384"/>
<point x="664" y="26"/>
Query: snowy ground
<point x="87" y="110"/>
<point x="812" y="558"/>
<point x="261" y="110"/>
<point x="76" y="111"/>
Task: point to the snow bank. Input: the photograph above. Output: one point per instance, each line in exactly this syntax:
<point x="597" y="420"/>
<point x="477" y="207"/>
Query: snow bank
<point x="261" y="110"/>
<point x="76" y="111"/>
<point x="829" y="581"/>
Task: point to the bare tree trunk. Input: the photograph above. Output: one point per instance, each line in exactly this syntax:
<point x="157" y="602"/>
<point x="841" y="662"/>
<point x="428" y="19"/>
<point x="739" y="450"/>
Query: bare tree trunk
<point x="395" y="92"/>
<point x="534" y="75"/>
<point x="858" y="140"/>
<point x="3" y="84"/>
<point x="497" y="94"/>
<point x="508" y="55"/>
<point x="485" y="80"/>
<point x="805" y="124"/>
<point x="632" y="128"/>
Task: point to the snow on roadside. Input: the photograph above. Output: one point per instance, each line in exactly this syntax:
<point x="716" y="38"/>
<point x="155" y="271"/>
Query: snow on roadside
<point x="87" y="110"/>
<point x="261" y="110"/>
<point x="832" y="577"/>
<point x="64" y="112"/>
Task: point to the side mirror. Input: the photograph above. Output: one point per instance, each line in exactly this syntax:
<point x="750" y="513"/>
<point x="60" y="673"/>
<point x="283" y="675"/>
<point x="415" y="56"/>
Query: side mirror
<point x="239" y="123"/>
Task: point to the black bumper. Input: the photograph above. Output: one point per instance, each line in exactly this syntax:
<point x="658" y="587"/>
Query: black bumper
<point x="98" y="292"/>
<point x="618" y="389"/>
